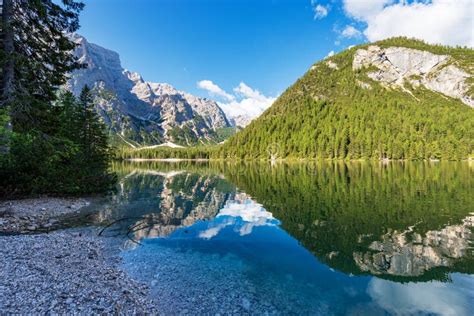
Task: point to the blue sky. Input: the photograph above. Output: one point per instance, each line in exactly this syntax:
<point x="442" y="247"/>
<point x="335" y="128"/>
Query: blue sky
<point x="266" y="44"/>
<point x="252" y="50"/>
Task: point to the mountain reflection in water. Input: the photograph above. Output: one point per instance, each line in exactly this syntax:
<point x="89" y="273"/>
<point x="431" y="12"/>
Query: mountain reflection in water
<point x="406" y="229"/>
<point x="411" y="254"/>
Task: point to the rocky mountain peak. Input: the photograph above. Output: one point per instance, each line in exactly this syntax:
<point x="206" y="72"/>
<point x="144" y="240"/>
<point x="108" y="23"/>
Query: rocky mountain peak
<point x="135" y="77"/>
<point x="399" y="65"/>
<point x="141" y="112"/>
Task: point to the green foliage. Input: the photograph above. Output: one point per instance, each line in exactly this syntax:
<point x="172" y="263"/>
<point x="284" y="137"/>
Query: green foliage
<point x="55" y="145"/>
<point x="41" y="56"/>
<point x="203" y="152"/>
<point x="94" y="153"/>
<point x="5" y="132"/>
<point x="223" y="133"/>
<point x="65" y="153"/>
<point x="183" y="135"/>
<point x="326" y="114"/>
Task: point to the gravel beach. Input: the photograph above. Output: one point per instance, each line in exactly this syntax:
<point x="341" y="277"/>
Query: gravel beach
<point x="71" y="271"/>
<point x="30" y="215"/>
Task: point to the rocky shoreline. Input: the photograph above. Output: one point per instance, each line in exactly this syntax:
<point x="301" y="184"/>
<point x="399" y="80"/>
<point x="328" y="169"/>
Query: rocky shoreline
<point x="33" y="215"/>
<point x="71" y="271"/>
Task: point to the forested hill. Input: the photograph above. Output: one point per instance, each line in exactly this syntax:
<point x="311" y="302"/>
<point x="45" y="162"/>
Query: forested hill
<point x="394" y="99"/>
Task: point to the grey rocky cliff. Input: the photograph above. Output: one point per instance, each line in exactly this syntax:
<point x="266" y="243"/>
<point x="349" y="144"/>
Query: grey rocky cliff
<point x="140" y="112"/>
<point x="241" y="121"/>
<point x="399" y="65"/>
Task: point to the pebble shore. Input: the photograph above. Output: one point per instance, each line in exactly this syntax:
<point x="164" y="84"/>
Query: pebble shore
<point x="32" y="215"/>
<point x="71" y="271"/>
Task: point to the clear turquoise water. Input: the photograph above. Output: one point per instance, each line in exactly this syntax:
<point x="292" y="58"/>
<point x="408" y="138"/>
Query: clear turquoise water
<point x="330" y="239"/>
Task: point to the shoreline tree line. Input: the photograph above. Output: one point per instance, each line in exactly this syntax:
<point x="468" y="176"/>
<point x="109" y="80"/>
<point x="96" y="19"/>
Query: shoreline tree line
<point x="50" y="141"/>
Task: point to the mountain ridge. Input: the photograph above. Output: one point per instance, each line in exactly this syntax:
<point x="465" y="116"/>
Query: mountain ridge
<point x="138" y="112"/>
<point x="337" y="110"/>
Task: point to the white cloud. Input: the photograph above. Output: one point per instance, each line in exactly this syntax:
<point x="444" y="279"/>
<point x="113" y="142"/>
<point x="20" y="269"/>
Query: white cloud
<point x="330" y="54"/>
<point x="248" y="92"/>
<point x="247" y="107"/>
<point x="364" y="9"/>
<point x="350" y="32"/>
<point x="320" y="11"/>
<point x="438" y="21"/>
<point x="246" y="102"/>
<point x="434" y="297"/>
<point x="214" y="89"/>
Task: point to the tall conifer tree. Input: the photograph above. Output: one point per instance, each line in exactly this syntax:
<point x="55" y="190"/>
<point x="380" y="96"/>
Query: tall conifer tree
<point x="35" y="56"/>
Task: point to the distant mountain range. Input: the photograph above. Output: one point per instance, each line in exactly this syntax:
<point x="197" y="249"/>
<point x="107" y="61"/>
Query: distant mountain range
<point x="142" y="113"/>
<point x="394" y="99"/>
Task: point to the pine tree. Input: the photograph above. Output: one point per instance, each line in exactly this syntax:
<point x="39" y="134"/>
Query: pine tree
<point x="96" y="154"/>
<point x="55" y="145"/>
<point x="35" y="57"/>
<point x="7" y="67"/>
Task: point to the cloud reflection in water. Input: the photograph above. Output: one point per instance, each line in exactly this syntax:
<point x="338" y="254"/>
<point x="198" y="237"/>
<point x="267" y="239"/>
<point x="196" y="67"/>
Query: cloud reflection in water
<point x="243" y="214"/>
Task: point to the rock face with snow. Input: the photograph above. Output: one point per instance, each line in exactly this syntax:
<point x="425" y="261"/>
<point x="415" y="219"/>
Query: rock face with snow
<point x="241" y="121"/>
<point x="399" y="65"/>
<point x="140" y="112"/>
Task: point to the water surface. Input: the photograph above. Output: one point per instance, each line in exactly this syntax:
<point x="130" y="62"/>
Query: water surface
<point x="320" y="238"/>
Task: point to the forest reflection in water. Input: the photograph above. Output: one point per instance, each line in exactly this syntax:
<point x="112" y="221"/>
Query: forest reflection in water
<point x="304" y="238"/>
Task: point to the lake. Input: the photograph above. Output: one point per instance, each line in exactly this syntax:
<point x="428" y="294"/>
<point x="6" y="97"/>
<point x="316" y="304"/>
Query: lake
<point x="327" y="238"/>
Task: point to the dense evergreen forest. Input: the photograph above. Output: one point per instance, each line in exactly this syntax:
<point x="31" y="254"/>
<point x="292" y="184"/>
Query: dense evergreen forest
<point x="50" y="142"/>
<point x="201" y="152"/>
<point x="327" y="114"/>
